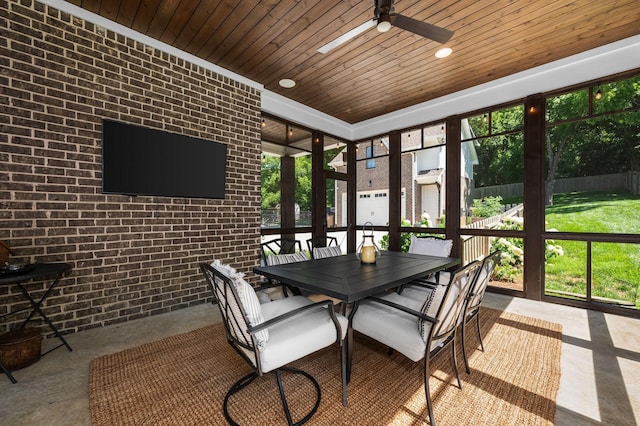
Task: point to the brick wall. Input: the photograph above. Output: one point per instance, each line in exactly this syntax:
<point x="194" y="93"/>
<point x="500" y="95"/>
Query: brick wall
<point x="132" y="256"/>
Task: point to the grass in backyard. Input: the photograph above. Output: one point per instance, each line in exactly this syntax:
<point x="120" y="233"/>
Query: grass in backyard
<point x="615" y="272"/>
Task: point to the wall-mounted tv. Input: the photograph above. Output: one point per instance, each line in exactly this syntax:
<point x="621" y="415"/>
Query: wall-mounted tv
<point x="142" y="161"/>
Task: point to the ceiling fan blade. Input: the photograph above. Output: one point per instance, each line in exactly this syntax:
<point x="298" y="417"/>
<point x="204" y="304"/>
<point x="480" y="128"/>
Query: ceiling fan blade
<point x="347" y="36"/>
<point x="439" y="34"/>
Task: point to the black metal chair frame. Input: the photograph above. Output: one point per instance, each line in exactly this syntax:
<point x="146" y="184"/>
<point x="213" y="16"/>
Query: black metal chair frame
<point x="321" y="241"/>
<point x="233" y="319"/>
<point x="472" y="311"/>
<point x="430" y="281"/>
<point x="448" y="335"/>
<point x="279" y="246"/>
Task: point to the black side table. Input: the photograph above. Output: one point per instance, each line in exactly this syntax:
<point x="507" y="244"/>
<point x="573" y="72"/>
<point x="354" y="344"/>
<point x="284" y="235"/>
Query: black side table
<point x="34" y="272"/>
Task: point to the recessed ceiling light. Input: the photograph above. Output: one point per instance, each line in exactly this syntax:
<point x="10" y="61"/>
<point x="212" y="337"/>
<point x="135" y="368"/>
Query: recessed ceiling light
<point x="287" y="83"/>
<point x="444" y="52"/>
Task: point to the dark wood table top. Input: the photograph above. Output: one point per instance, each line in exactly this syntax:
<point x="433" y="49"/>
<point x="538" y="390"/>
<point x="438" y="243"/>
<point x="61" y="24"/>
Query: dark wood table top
<point x="33" y="271"/>
<point x="345" y="278"/>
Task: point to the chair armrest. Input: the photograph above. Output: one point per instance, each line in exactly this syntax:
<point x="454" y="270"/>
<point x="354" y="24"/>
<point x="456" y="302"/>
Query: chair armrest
<point x="419" y="282"/>
<point x="328" y="304"/>
<point x="423" y="282"/>
<point x="404" y="309"/>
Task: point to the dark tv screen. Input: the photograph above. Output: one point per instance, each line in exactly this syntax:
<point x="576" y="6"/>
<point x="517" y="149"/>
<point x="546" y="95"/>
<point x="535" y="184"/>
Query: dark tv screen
<point x="142" y="161"/>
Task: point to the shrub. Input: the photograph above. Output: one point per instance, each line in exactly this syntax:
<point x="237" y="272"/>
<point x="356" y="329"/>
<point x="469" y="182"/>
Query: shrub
<point x="405" y="238"/>
<point x="512" y="257"/>
<point x="487" y="207"/>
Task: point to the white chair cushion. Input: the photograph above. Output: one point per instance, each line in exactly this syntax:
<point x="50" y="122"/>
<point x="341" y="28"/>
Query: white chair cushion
<point x="298" y="336"/>
<point x="425" y="300"/>
<point x="322" y="252"/>
<point x="391" y="326"/>
<point x="430" y="246"/>
<point x="248" y="299"/>
<point x="281" y="259"/>
<point x="420" y="292"/>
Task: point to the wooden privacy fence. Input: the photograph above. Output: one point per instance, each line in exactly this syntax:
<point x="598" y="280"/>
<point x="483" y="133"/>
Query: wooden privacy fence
<point x="477" y="246"/>
<point x="611" y="182"/>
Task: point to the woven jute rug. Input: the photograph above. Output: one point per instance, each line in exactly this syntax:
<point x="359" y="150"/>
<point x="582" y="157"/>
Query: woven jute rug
<point x="182" y="380"/>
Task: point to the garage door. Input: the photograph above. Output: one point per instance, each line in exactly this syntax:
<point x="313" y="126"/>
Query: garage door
<point x="372" y="206"/>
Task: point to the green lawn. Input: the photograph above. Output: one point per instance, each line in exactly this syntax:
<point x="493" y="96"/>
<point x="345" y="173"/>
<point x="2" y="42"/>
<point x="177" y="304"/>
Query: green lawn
<point x="615" y="270"/>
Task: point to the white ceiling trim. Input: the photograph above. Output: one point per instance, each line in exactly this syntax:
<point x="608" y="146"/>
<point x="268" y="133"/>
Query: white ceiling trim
<point x="291" y="110"/>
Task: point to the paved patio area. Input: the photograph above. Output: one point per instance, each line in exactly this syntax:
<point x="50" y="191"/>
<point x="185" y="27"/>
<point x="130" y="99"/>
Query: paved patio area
<point x="600" y="382"/>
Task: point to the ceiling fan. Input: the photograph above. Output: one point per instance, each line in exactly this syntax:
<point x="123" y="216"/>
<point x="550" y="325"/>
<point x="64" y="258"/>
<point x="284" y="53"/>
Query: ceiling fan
<point x="384" y="18"/>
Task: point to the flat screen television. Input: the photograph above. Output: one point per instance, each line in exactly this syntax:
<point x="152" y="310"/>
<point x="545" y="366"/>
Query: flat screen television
<point x="143" y="161"/>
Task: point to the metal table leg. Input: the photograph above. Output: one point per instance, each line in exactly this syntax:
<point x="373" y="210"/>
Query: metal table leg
<point x="36" y="308"/>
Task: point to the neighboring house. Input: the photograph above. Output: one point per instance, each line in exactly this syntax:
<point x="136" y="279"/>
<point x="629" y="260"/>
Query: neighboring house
<point x="423" y="177"/>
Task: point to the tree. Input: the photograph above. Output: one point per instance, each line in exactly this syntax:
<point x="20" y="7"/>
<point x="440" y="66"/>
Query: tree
<point x="586" y="143"/>
<point x="559" y="108"/>
<point x="556" y="141"/>
<point x="500" y="147"/>
<point x="578" y="141"/>
<point x="270" y="181"/>
<point x="303" y="182"/>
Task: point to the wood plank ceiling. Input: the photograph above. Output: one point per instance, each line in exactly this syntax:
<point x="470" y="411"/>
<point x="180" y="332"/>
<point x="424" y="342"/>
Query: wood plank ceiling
<point x="374" y="73"/>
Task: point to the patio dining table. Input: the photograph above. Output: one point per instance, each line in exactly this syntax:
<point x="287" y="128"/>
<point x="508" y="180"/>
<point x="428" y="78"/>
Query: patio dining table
<point x="347" y="279"/>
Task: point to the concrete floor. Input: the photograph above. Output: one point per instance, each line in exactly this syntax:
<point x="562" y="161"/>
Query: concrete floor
<point x="600" y="382"/>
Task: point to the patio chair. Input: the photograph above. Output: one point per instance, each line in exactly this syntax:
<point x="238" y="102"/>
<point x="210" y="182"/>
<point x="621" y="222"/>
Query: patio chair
<point x="280" y="259"/>
<point x="268" y="337"/>
<point x="432" y="246"/>
<point x="279" y="246"/>
<point x="429" y="246"/>
<point x="278" y="252"/>
<point x="418" y="329"/>
<point x="323" y="246"/>
<point x="474" y="300"/>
